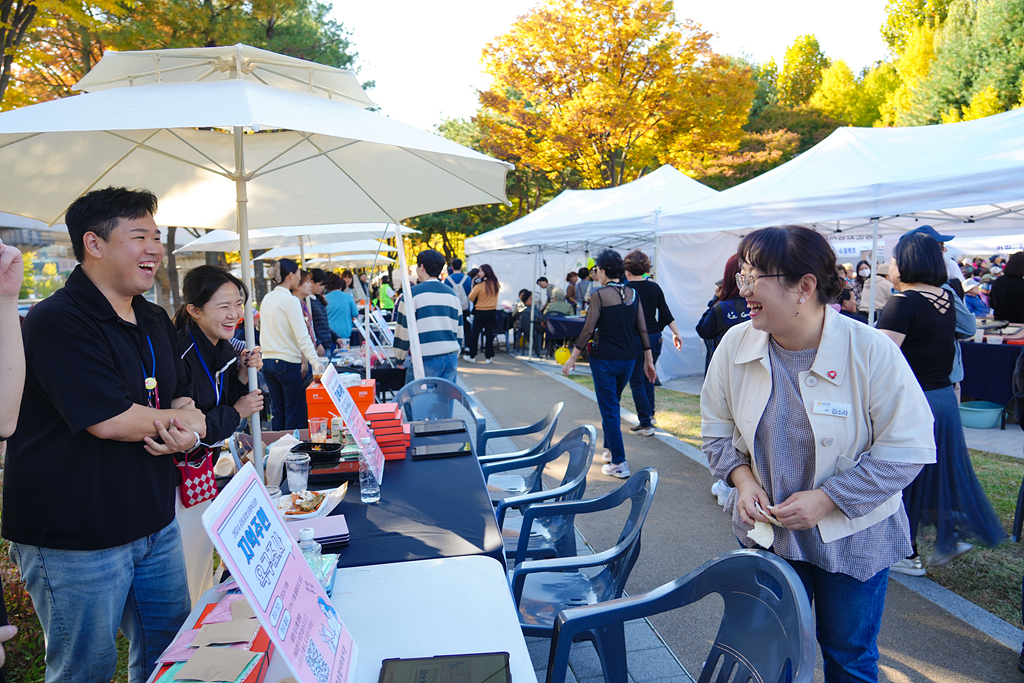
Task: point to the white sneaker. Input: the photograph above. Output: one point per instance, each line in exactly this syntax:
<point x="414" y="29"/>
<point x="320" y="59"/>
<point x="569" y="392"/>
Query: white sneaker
<point x="487" y="360"/>
<point x="607" y="455"/>
<point x="939" y="559"/>
<point x="642" y="431"/>
<point x="911" y="566"/>
<point x="721" y="490"/>
<point x="620" y="470"/>
<point x="469" y="359"/>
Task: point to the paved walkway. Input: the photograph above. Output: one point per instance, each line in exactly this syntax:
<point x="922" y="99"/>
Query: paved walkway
<point x="923" y="638"/>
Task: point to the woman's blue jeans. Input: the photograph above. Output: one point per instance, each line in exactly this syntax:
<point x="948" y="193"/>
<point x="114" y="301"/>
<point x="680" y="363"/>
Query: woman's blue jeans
<point x="848" y="613"/>
<point x="610" y="378"/>
<point x="641" y="387"/>
<point x="287" y="394"/>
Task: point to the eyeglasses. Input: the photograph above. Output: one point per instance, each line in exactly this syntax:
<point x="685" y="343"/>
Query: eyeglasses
<point x="747" y="281"/>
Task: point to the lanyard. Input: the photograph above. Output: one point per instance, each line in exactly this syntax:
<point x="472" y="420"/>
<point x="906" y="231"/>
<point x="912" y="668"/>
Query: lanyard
<point x="151" y="384"/>
<point x="217" y="391"/>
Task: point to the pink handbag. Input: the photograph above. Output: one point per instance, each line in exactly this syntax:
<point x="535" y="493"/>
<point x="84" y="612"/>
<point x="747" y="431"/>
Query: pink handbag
<point x="197" y="480"/>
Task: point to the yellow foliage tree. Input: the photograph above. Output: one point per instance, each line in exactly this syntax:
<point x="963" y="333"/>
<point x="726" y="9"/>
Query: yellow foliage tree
<point x="595" y="92"/>
<point x="912" y="68"/>
<point x="985" y="102"/>
<point x="838" y="92"/>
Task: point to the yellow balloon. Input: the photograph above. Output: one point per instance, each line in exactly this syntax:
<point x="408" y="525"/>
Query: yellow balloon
<point x="562" y="355"/>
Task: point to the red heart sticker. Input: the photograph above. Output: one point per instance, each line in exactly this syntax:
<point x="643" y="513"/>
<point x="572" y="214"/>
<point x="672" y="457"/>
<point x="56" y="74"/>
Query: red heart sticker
<point x="831" y="374"/>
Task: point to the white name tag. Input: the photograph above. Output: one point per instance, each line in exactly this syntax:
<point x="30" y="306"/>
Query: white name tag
<point x="829" y="408"/>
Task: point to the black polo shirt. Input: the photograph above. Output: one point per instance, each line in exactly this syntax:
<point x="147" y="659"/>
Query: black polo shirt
<point x="63" y="487"/>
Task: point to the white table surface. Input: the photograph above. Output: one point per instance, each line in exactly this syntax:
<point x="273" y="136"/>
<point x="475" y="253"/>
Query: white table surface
<point x="453" y="605"/>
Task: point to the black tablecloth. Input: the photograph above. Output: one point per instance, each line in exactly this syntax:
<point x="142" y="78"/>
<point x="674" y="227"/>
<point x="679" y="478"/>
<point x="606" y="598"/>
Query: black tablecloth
<point x="428" y="509"/>
<point x="988" y="371"/>
<point x="389" y="380"/>
<point x="562" y="328"/>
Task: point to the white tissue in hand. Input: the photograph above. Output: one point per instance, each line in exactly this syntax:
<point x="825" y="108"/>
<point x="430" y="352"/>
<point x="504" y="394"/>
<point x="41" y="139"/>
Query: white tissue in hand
<point x="762" y="534"/>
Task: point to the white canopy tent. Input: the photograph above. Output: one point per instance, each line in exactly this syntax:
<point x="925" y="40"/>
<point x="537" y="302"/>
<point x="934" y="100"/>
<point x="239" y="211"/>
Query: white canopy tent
<point x="339" y="250"/>
<point x="963" y="179"/>
<point x="310" y="235"/>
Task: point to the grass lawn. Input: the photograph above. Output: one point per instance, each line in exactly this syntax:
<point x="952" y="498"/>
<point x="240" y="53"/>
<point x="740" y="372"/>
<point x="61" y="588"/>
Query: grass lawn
<point x="988" y="577"/>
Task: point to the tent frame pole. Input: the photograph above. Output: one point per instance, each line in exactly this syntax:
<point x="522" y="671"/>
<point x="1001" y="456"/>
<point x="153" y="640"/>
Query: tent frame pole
<point x="874" y="270"/>
<point x="533" y="302"/>
<point x="242" y="221"/>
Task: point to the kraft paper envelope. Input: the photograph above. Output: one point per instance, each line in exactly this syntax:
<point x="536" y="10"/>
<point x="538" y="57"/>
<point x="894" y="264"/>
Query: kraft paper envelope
<point x="225" y="633"/>
<point x="215" y="664"/>
<point x="241" y="610"/>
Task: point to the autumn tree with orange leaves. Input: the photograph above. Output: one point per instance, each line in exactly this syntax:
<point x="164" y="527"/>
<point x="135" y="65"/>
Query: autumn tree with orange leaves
<point x="593" y="93"/>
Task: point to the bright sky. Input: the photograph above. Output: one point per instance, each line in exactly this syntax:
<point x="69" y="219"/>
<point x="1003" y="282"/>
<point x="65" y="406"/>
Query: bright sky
<point x="425" y="56"/>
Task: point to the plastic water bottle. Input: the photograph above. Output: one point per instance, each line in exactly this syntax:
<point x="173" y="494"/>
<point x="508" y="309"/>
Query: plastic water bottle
<point x="369" y="489"/>
<point x="309" y="548"/>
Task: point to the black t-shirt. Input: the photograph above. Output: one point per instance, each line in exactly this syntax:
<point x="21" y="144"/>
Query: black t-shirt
<point x="63" y="487"/>
<point x="656" y="312"/>
<point x="1007" y="298"/>
<point x="930" y="335"/>
<point x="614" y="320"/>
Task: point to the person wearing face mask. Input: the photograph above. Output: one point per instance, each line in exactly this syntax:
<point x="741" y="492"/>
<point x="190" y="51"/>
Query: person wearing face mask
<point x="287" y="347"/>
<point x="883" y="290"/>
<point x="212" y="301"/>
<point x="817" y="421"/>
<point x="861" y="277"/>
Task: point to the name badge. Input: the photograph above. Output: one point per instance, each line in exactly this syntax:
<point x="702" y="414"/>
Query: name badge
<point x="834" y="409"/>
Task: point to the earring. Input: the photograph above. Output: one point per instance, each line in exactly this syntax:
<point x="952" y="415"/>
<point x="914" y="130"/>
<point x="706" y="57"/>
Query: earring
<point x="801" y="299"/>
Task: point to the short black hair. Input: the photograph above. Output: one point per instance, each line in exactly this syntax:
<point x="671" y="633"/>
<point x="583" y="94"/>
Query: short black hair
<point x="584" y="272"/>
<point x="541" y="279"/>
<point x="793" y="251"/>
<point x="199" y="286"/>
<point x="524" y="295"/>
<point x="456" y="264"/>
<point x="919" y="259"/>
<point x="1014" y="265"/>
<point x="431" y="260"/>
<point x="610" y="261"/>
<point x="100" y="211"/>
<point x="318" y="275"/>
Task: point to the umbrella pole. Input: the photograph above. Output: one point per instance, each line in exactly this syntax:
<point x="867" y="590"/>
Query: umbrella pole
<point x="242" y="217"/>
<point x="366" y="322"/>
<point x="874" y="271"/>
<point x="410" y="308"/>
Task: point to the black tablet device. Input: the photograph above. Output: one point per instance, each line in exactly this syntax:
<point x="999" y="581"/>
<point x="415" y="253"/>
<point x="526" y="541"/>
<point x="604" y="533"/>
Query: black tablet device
<point x="489" y="667"/>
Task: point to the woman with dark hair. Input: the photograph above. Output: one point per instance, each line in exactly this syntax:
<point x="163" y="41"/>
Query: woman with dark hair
<point x="287" y="347"/>
<point x="1007" y="296"/>
<point x="212" y="301"/>
<point x="341" y="307"/>
<point x="657" y="317"/>
<point x="614" y="321"/>
<point x="817" y="422"/>
<point x="347" y="283"/>
<point x="725" y="310"/>
<point x="862" y="275"/>
<point x="921" y="319"/>
<point x="484" y="297"/>
<point x="318" y="309"/>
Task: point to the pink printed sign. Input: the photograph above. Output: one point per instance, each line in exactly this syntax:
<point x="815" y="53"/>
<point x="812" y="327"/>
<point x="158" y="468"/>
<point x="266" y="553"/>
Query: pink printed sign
<point x="278" y="582"/>
<point x="349" y="412"/>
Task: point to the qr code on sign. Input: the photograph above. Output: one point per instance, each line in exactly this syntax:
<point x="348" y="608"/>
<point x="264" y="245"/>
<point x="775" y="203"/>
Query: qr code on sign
<point x="315" y="662"/>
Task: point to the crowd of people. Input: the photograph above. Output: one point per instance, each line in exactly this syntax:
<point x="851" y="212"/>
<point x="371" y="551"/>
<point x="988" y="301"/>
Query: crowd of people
<point x="835" y="422"/>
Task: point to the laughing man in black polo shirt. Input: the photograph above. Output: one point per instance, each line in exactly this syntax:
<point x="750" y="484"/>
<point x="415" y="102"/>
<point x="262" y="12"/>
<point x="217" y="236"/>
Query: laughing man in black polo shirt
<point x="89" y="486"/>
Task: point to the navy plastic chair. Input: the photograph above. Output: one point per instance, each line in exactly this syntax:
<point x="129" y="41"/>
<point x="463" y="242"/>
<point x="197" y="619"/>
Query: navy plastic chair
<point x="543" y="588"/>
<point x="431" y="398"/>
<point x="546" y="428"/>
<point x="766" y="635"/>
<point x="549" y="535"/>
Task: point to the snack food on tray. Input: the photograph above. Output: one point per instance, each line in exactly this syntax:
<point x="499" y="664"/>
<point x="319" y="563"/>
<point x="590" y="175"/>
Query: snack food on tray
<point x="302" y="502"/>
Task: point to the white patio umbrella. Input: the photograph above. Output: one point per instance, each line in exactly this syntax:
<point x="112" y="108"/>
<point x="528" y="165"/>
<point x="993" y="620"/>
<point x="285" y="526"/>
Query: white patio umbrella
<point x="352" y="260"/>
<point x="311" y="235"/>
<point x="334" y="249"/>
<point x="235" y="154"/>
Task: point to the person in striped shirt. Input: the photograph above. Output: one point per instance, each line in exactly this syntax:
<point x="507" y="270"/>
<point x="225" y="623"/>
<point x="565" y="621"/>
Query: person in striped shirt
<point x="438" y="321"/>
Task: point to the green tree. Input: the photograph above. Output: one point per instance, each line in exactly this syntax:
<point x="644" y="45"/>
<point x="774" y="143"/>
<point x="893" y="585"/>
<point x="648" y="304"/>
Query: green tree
<point x="912" y="69"/>
<point x="801" y="70"/>
<point x="28" y="282"/>
<point x="756" y="154"/>
<point x="851" y="99"/>
<point x="766" y="76"/>
<point x="904" y="17"/>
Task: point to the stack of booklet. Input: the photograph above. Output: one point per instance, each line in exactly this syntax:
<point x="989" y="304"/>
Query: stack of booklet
<point x="327" y="531"/>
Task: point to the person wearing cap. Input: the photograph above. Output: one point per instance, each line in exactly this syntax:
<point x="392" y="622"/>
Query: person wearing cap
<point x="883" y="290"/>
<point x="975" y="305"/>
<point x="1007" y="296"/>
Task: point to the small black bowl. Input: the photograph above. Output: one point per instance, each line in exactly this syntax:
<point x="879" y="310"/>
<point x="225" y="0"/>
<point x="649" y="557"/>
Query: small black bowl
<point x="319" y="452"/>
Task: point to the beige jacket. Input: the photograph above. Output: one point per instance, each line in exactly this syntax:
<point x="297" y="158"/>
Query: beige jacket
<point x="858" y="369"/>
<point x="283" y="331"/>
<point x="883" y="292"/>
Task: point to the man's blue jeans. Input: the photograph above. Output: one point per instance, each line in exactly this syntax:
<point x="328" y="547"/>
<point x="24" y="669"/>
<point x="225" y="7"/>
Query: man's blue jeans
<point x="83" y="596"/>
<point x="610" y="378"/>
<point x="848" y="613"/>
<point x="641" y="387"/>
<point x="287" y="394"/>
<point x="445" y="366"/>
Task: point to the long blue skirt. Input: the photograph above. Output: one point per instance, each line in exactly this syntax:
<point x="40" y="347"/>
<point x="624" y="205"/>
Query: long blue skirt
<point x="947" y="494"/>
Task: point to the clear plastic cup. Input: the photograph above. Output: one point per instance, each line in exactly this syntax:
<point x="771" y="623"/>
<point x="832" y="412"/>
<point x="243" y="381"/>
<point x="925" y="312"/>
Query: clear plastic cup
<point x="297" y="467"/>
<point x="318" y="429"/>
<point x="318" y="366"/>
<point x="275" y="496"/>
